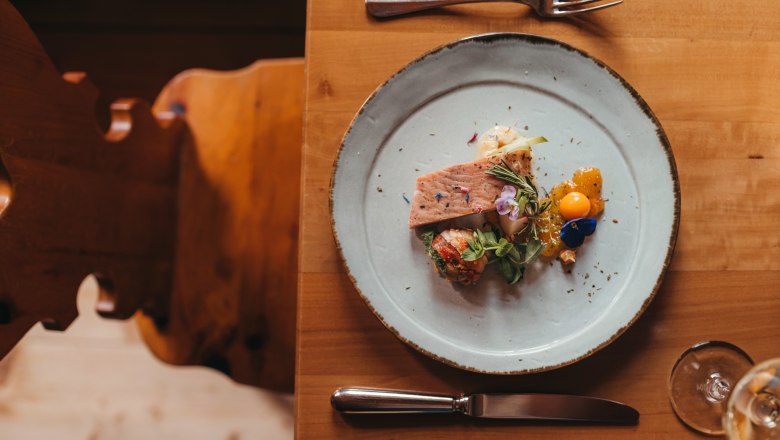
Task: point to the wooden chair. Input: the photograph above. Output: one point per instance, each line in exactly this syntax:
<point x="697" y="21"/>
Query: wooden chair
<point x="185" y="212"/>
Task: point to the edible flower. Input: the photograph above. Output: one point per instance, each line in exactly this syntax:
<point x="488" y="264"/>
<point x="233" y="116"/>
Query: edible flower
<point x="525" y="199"/>
<point x="438" y="196"/>
<point x="478" y="208"/>
<point x="506" y="203"/>
<point x="573" y="232"/>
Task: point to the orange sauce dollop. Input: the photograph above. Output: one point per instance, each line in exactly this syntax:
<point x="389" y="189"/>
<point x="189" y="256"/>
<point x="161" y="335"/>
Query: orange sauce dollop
<point x="587" y="181"/>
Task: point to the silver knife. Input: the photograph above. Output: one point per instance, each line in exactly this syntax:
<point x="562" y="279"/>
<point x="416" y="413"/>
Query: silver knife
<point x="552" y="407"/>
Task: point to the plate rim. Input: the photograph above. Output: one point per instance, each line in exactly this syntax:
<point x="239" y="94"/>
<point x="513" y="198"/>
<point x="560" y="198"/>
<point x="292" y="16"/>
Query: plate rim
<point x="641" y="103"/>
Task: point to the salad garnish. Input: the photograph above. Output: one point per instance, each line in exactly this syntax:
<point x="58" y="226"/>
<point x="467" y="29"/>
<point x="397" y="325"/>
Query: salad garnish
<point x="510" y="257"/>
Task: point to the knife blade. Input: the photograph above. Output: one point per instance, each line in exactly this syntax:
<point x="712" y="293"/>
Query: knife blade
<point x="551" y="407"/>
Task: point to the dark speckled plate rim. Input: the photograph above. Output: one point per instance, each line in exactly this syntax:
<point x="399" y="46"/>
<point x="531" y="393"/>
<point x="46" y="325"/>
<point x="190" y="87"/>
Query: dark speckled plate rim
<point x="533" y="39"/>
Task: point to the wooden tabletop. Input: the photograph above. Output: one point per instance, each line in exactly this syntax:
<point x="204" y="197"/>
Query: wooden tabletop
<point x="709" y="70"/>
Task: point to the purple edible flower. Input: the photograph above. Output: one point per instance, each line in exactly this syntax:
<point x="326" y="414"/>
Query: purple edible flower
<point x="506" y="203"/>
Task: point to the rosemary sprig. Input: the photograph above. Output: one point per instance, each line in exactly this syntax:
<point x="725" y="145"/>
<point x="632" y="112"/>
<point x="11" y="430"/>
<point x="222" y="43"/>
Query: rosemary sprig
<point x="506" y="173"/>
<point x="527" y="194"/>
<point x="524" y="184"/>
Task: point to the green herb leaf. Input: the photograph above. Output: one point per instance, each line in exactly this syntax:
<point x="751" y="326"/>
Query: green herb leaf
<point x="510" y="257"/>
<point x="474" y="252"/>
<point x="504" y="247"/>
<point x="514" y="255"/>
<point x="507" y="270"/>
<point x="511" y="273"/>
<point x="533" y="249"/>
<point x="489" y="238"/>
<point x="471" y="255"/>
<point x="522" y="201"/>
<point x="427" y="238"/>
<point x="519" y="272"/>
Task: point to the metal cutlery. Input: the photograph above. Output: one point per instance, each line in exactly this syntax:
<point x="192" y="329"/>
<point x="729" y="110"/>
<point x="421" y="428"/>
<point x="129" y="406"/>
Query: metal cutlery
<point x="544" y="8"/>
<point x="553" y="407"/>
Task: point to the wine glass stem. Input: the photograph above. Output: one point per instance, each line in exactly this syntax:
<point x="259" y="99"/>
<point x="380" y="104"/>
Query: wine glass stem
<point x="717" y="388"/>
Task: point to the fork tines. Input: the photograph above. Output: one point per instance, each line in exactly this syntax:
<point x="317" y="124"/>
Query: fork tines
<point x="571" y="7"/>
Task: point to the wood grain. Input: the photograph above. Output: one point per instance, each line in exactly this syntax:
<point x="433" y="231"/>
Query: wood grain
<point x="708" y="70"/>
<point x="195" y="226"/>
<point x="234" y="288"/>
<point x="82" y="202"/>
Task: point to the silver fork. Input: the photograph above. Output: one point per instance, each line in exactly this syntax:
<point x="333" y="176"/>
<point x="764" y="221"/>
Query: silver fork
<point x="545" y="8"/>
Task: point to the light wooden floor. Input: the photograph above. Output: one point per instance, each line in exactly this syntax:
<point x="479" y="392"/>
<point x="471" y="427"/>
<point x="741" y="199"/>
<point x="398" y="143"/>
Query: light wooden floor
<point x="97" y="380"/>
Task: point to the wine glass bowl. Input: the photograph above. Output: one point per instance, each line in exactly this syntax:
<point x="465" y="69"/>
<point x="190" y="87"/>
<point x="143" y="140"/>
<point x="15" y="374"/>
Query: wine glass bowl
<point x="753" y="409"/>
<point x="701" y="382"/>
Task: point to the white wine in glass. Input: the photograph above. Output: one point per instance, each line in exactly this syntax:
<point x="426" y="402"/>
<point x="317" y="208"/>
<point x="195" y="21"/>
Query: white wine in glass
<point x="753" y="409"/>
<point x="715" y="389"/>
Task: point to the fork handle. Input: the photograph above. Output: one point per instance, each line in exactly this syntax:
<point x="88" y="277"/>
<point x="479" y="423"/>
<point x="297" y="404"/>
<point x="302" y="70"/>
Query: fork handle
<point x="378" y="401"/>
<point x="390" y="8"/>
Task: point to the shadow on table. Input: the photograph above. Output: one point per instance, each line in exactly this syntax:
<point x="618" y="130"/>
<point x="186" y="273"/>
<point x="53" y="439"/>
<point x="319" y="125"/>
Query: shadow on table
<point x="402" y="421"/>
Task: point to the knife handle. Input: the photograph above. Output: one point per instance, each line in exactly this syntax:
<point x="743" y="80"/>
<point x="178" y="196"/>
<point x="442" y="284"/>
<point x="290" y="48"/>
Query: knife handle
<point x="378" y="401"/>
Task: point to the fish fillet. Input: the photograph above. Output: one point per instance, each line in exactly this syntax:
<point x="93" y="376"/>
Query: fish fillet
<point x="463" y="189"/>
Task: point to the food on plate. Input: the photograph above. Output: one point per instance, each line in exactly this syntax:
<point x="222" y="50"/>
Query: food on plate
<point x="502" y="138"/>
<point x="567" y="256"/>
<point x="585" y="181"/>
<point x="462" y="189"/>
<point x="494" y="138"/>
<point x="460" y="255"/>
<point x="588" y="181"/>
<point x="520" y="224"/>
<point x="446" y="250"/>
<point x="573" y="232"/>
<point x="574" y="205"/>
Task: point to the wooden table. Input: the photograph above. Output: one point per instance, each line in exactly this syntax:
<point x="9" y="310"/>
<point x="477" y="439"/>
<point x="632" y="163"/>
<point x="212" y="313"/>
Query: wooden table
<point x="708" y="68"/>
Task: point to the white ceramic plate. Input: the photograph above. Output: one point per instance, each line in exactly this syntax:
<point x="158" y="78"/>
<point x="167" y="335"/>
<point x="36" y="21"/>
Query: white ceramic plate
<point x="421" y="119"/>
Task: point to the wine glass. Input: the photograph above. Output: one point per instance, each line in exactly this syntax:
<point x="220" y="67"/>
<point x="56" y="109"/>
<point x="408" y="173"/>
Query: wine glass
<point x="753" y="410"/>
<point x="715" y="389"/>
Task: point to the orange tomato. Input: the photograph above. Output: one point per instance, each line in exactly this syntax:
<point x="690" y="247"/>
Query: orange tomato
<point x="574" y="205"/>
